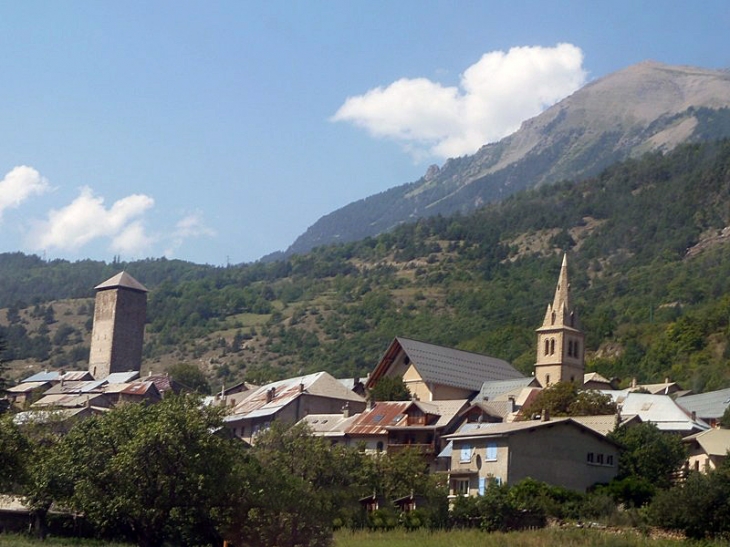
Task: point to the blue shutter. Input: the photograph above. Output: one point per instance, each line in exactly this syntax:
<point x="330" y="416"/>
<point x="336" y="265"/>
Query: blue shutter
<point x="491" y="451"/>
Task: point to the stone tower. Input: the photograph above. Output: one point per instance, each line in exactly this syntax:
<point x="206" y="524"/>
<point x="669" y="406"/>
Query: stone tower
<point x="560" y="342"/>
<point x="120" y="311"/>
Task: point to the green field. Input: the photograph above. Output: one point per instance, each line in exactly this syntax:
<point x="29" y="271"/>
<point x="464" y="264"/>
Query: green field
<point x="475" y="538"/>
<point x="455" y="538"/>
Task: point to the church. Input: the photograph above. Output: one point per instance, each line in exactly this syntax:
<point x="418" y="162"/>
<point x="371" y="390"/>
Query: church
<point x="434" y="373"/>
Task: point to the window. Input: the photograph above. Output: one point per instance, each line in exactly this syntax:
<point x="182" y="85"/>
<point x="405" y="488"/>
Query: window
<point x="609" y="459"/>
<point x="599" y="459"/>
<point x="547" y="379"/>
<point x="590" y="457"/>
<point x="482" y="485"/>
<point x="465" y="456"/>
<point x="379" y="446"/>
<point x="492" y="452"/>
<point x="461" y="487"/>
<point x="570" y="348"/>
<point x="552" y="346"/>
<point x="547" y="347"/>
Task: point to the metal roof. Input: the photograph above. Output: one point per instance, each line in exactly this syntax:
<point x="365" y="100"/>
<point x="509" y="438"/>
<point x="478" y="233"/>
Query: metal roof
<point x="507" y="429"/>
<point x="45" y="376"/>
<point x="492" y="389"/>
<point x="328" y="425"/>
<point x="26" y="387"/>
<point x="715" y="442"/>
<point x="661" y="410"/>
<point x="121" y="377"/>
<point x="269" y="399"/>
<point x="710" y="405"/>
<point x="451" y="367"/>
<point x="121" y="280"/>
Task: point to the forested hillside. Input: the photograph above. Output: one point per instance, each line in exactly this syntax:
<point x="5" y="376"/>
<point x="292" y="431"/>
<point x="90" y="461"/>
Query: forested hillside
<point x="648" y="261"/>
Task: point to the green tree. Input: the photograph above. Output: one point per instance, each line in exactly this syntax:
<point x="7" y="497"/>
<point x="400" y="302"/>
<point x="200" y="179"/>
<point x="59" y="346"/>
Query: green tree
<point x="156" y="473"/>
<point x="390" y="388"/>
<point x="308" y="484"/>
<point x="649" y="454"/>
<point x="699" y="506"/>
<point x="190" y="376"/>
<point x="13" y="455"/>
<point x="566" y="399"/>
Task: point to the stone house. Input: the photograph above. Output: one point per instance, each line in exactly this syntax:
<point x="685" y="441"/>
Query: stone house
<point x="707" y="450"/>
<point x="560" y="452"/>
<point x="291" y="400"/>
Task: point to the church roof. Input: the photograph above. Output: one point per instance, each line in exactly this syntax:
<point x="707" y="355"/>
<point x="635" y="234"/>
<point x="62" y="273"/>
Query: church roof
<point x="447" y="366"/>
<point x="121" y="280"/>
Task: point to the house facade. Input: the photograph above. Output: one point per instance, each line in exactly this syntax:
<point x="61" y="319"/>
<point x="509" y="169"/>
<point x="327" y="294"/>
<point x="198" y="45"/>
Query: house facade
<point x="561" y="452"/>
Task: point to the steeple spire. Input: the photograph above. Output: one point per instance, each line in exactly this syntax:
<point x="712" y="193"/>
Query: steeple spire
<point x="560" y="342"/>
<point x="560" y="313"/>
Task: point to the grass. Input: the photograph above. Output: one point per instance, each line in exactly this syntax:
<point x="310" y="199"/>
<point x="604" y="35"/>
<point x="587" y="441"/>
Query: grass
<point x="475" y="538"/>
<point x="455" y="538"/>
<point x="19" y="540"/>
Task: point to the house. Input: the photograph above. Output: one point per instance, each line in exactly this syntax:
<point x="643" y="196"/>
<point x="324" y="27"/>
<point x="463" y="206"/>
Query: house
<point x="661" y="410"/>
<point x="593" y="380"/>
<point x="707" y="450"/>
<point x="560" y="452"/>
<point x="133" y="392"/>
<point x="290" y="400"/>
<point x="437" y="373"/>
<point x="708" y="406"/>
<point x="501" y="400"/>
<point x="331" y="426"/>
<point x="26" y="393"/>
<point x="396" y="425"/>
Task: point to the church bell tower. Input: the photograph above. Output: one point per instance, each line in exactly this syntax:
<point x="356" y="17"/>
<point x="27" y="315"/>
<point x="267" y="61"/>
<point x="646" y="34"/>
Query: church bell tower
<point x="560" y="342"/>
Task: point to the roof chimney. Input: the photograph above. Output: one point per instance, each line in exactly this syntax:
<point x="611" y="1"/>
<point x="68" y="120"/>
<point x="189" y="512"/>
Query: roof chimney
<point x="346" y="410"/>
<point x="545" y="416"/>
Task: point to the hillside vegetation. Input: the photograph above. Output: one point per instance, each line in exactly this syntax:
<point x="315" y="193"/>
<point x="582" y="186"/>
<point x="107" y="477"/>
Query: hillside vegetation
<point x="648" y="262"/>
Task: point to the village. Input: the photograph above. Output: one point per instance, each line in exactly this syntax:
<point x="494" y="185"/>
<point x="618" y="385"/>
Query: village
<point x="466" y="414"/>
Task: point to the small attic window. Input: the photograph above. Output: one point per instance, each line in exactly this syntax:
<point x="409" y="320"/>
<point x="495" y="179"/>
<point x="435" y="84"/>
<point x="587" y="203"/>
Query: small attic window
<point x="378" y="418"/>
<point x="398" y="418"/>
<point x="406" y="360"/>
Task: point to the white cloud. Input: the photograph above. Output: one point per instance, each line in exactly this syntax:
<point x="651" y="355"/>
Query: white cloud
<point x="494" y="96"/>
<point x="86" y="219"/>
<point x="192" y="225"/>
<point x="18" y="185"/>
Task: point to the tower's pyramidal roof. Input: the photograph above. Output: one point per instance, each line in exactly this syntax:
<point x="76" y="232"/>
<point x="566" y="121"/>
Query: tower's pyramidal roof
<point x="121" y="280"/>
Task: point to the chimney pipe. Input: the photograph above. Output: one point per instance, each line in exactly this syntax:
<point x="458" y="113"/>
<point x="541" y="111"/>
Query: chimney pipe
<point x="545" y="416"/>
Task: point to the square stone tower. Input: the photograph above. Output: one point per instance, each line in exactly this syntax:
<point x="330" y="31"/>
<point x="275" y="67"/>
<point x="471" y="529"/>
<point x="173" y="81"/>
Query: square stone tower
<point x="120" y="311"/>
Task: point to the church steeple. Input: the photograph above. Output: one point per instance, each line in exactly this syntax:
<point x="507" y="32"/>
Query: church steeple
<point x="560" y="348"/>
<point x="560" y="312"/>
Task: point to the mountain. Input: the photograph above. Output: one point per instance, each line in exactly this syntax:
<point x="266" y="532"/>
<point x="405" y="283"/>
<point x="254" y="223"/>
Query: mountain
<point x="647" y="239"/>
<point x="646" y="107"/>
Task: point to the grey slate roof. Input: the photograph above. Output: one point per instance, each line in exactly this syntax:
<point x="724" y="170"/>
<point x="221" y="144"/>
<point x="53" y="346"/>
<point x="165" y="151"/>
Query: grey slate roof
<point x="453" y="367"/>
<point x="710" y="405"/>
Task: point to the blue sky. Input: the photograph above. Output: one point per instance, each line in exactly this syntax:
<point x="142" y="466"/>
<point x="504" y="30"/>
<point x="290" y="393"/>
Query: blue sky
<point x="217" y="132"/>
